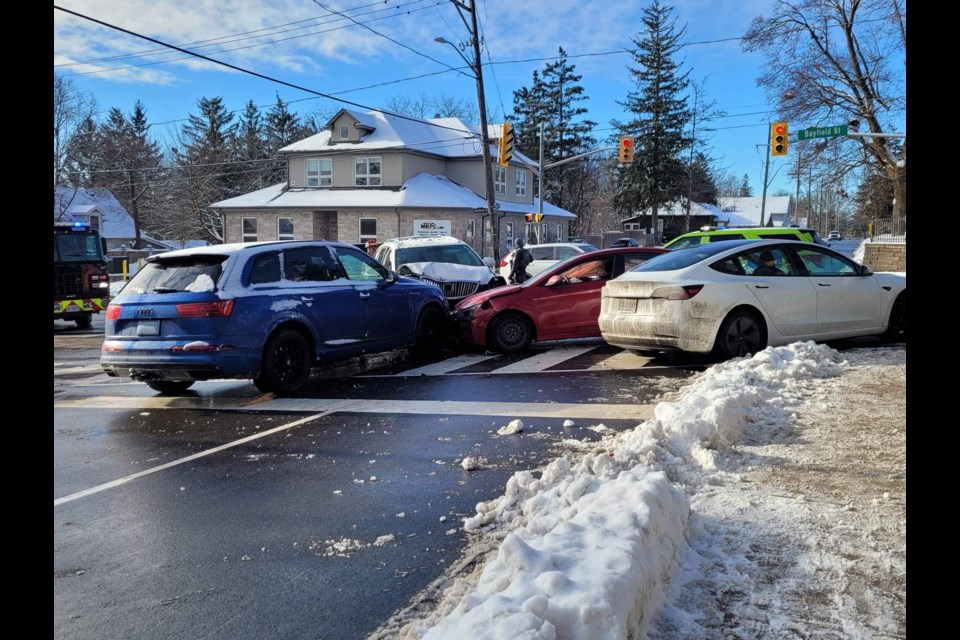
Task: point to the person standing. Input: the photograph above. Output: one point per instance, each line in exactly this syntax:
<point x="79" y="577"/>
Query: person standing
<point x="518" y="267"/>
<point x="372" y="246"/>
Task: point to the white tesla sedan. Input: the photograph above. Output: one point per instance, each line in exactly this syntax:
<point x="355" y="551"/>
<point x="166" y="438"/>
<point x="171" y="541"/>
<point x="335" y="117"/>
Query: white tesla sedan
<point x="737" y="297"/>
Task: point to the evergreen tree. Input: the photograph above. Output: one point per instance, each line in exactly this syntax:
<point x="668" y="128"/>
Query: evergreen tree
<point x="251" y="150"/>
<point x="283" y="127"/>
<point x="745" y="190"/>
<point x="129" y="162"/>
<point x="657" y="175"/>
<point x="83" y="156"/>
<point x="554" y="99"/>
<point x="204" y="172"/>
<point x="703" y="188"/>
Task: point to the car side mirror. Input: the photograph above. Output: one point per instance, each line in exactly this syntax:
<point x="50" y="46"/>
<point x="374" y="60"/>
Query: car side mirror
<point x="865" y="270"/>
<point x="391" y="278"/>
<point x="487" y="260"/>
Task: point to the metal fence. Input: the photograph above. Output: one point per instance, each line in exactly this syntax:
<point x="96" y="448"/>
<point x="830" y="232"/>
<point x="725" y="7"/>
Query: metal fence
<point x="888" y="230"/>
<point x="606" y="239"/>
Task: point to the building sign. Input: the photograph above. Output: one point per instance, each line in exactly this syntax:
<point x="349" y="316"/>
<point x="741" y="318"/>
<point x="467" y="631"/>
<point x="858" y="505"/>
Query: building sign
<point x="431" y="228"/>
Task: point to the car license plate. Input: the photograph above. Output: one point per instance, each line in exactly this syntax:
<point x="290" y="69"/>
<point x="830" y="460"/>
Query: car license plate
<point x="148" y="328"/>
<point x="625" y="305"/>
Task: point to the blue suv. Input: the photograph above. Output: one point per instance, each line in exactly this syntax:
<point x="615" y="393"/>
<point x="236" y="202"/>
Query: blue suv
<point x="268" y="311"/>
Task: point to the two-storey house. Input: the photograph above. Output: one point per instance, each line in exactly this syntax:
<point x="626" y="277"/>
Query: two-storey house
<point x="380" y="176"/>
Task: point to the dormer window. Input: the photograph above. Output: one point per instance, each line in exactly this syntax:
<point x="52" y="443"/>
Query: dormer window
<point x="319" y="172"/>
<point x="344" y="132"/>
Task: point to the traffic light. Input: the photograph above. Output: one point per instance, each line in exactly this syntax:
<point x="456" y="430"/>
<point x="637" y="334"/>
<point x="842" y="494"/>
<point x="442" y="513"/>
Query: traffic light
<point x="505" y="149"/>
<point x="778" y="139"/>
<point x="533" y="217"/>
<point x="626" y="149"/>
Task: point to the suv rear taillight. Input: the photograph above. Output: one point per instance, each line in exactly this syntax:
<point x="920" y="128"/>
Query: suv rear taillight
<point x="113" y="311"/>
<point x="219" y="309"/>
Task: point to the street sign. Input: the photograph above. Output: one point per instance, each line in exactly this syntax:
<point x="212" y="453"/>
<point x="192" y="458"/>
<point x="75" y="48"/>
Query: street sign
<point x="822" y="132"/>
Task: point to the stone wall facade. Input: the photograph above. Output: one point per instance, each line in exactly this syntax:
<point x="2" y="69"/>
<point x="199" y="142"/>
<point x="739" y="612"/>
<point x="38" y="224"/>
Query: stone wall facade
<point x="885" y="256"/>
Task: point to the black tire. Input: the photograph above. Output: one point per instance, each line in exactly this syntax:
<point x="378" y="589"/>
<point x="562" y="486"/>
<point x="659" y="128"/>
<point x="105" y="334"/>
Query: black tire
<point x="741" y="334"/>
<point x="510" y="333"/>
<point x="286" y="363"/>
<point x="169" y="387"/>
<point x="84" y="321"/>
<point x="897" y="325"/>
<point x="432" y="332"/>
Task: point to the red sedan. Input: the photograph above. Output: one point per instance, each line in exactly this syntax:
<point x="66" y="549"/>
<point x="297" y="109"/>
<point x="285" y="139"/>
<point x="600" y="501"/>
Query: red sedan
<point x="561" y="302"/>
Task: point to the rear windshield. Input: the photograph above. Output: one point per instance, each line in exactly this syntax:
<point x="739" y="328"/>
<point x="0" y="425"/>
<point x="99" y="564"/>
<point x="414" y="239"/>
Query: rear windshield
<point x="683" y="243"/>
<point x="452" y="253"/>
<point x="192" y="273"/>
<point x="682" y="258"/>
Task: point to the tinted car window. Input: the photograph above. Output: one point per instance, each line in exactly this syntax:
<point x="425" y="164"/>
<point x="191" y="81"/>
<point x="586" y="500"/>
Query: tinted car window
<point x="725" y="236"/>
<point x="265" y="268"/>
<point x="194" y="273"/>
<point x="453" y="253"/>
<point x="730" y="265"/>
<point x="309" y="263"/>
<point x="632" y="260"/>
<point x="778" y="236"/>
<point x="541" y="253"/>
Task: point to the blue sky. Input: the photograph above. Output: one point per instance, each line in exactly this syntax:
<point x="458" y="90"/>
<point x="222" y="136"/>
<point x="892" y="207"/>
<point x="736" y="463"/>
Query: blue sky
<point x="321" y="50"/>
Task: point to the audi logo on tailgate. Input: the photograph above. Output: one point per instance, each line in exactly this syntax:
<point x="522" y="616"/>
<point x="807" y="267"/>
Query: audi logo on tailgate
<point x="145" y="312"/>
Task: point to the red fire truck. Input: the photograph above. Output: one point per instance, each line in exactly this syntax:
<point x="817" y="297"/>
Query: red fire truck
<point x="81" y="283"/>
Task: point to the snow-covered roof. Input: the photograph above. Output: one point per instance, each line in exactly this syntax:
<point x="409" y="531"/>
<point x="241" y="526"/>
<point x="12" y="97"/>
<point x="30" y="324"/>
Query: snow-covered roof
<point x="423" y="190"/>
<point x="446" y="137"/>
<point x="115" y="222"/>
<point x="749" y="208"/>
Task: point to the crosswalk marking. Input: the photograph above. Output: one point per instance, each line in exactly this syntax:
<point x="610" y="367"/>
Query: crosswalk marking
<point x="446" y="366"/>
<point x="621" y="361"/>
<point x="544" y="360"/>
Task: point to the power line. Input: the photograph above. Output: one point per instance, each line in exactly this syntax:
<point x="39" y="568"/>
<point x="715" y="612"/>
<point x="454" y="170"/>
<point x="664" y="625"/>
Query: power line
<point x="386" y="37"/>
<point x="247" y="71"/>
<point x="249" y="46"/>
<point x="235" y="37"/>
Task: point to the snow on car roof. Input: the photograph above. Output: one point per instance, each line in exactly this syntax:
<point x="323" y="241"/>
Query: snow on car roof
<point x="415" y="241"/>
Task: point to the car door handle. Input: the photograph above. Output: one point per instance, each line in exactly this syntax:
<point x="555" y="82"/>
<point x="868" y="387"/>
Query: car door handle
<point x="306" y="299"/>
<point x="823" y="284"/>
<point x="364" y="295"/>
<point x="762" y="286"/>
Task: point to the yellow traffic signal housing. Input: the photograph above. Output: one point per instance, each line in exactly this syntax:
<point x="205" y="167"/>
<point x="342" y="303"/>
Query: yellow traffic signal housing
<point x="505" y="148"/>
<point x="778" y="139"/>
<point x="625" y="154"/>
<point x="533" y="217"/>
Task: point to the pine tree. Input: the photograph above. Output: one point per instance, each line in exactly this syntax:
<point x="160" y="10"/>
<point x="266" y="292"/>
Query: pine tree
<point x="129" y="161"/>
<point x="204" y="171"/>
<point x="745" y="190"/>
<point x="283" y="128"/>
<point x="657" y="175"/>
<point x="554" y="99"/>
<point x="251" y="150"/>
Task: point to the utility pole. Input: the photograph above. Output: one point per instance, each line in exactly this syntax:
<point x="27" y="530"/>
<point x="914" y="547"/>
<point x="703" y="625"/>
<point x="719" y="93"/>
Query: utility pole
<point x="477" y="68"/>
<point x="766" y="172"/>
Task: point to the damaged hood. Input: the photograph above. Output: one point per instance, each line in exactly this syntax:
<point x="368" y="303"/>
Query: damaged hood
<point x="447" y="272"/>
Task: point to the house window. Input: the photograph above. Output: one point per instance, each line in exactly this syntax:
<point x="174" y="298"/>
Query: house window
<point x="500" y="180"/>
<point x="249" y="229"/>
<point x="344" y="132"/>
<point x="319" y="172"/>
<point x="368" y="229"/>
<point x="285" y="229"/>
<point x="521" y="183"/>
<point x="543" y="231"/>
<point x="93" y="220"/>
<point x="509" y="234"/>
<point x="528" y="231"/>
<point x="367" y="171"/>
<point x="471" y="229"/>
<point x="559" y="233"/>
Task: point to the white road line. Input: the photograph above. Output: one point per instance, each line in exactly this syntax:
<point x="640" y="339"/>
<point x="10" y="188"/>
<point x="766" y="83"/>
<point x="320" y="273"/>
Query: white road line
<point x="444" y="407"/>
<point x="544" y="360"/>
<point x="620" y="361"/>
<point x="146" y="472"/>
<point x="440" y="368"/>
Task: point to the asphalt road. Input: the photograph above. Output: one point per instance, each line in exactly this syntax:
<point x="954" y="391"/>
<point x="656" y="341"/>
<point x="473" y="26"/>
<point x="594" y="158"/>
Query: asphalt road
<point x="229" y="514"/>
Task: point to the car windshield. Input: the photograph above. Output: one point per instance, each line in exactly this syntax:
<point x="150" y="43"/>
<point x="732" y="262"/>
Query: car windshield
<point x="451" y="253"/>
<point x="681" y="258"/>
<point x="76" y="248"/>
<point x="191" y="273"/>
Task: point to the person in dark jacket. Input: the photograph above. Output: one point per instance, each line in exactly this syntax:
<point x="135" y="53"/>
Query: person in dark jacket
<point x="518" y="267"/>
